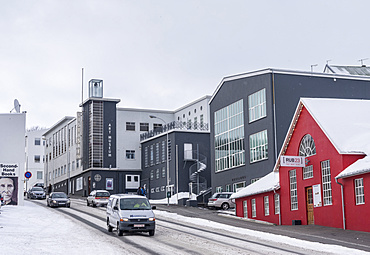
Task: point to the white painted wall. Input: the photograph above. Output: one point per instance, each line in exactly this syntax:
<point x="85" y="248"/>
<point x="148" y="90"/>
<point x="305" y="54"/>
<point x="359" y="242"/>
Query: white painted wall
<point x="12" y="145"/>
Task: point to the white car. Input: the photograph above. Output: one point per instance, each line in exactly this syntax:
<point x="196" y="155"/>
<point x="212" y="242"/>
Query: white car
<point x="98" y="197"/>
<point x="130" y="213"/>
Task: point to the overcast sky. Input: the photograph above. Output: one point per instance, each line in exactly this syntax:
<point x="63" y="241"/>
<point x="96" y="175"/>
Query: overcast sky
<point x="163" y="54"/>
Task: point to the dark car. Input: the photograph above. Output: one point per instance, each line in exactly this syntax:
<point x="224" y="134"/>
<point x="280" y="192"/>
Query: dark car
<point x="57" y="199"/>
<point x="36" y="192"/>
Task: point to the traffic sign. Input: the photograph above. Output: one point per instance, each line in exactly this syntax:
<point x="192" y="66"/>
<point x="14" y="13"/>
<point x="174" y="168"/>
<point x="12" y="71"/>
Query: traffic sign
<point x="28" y="174"/>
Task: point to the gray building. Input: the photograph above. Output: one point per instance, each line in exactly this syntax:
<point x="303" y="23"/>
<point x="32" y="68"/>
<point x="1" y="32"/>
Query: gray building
<point x="250" y="115"/>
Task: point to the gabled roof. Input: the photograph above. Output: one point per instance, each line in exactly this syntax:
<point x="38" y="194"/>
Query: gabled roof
<point x="345" y="122"/>
<point x="351" y="70"/>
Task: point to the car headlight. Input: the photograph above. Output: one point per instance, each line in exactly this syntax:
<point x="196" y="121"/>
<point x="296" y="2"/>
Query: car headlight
<point x="152" y="219"/>
<point x="54" y="201"/>
<point x="123" y="219"/>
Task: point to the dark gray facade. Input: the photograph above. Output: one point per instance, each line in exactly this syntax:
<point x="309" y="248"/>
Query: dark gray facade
<point x="283" y="91"/>
<point x="183" y="165"/>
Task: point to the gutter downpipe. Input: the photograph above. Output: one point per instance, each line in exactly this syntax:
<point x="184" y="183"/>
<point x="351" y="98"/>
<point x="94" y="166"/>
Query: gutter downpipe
<point x="343" y="212"/>
<point x="274" y="110"/>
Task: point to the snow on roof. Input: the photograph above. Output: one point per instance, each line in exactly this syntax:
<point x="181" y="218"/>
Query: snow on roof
<point x="267" y="183"/>
<point x="346" y="123"/>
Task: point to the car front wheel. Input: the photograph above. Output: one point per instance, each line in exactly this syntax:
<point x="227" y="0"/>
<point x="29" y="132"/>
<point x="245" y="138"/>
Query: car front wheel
<point x="119" y="232"/>
<point x="109" y="227"/>
<point x="151" y="232"/>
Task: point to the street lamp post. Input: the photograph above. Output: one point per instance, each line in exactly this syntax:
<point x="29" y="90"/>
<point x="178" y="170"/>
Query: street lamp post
<point x="167" y="160"/>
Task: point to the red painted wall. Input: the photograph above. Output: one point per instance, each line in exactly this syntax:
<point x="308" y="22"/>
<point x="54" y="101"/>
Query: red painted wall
<point x="260" y="209"/>
<point x="329" y="215"/>
<point x="357" y="216"/>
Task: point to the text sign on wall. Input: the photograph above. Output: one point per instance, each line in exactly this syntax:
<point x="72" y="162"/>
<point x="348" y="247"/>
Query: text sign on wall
<point x="294" y="161"/>
<point x="316" y="190"/>
<point x="9" y="170"/>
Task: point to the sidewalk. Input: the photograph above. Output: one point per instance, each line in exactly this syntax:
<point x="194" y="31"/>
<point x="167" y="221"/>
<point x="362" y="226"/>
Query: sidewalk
<point x="314" y="233"/>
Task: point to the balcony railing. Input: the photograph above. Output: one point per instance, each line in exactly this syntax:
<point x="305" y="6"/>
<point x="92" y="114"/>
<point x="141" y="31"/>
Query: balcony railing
<point x="178" y="125"/>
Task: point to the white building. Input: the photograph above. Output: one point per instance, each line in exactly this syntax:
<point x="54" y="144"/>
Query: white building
<point x="12" y="156"/>
<point x="35" y="156"/>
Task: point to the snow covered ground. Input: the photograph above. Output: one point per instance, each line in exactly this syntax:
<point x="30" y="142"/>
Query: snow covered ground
<point x="33" y="229"/>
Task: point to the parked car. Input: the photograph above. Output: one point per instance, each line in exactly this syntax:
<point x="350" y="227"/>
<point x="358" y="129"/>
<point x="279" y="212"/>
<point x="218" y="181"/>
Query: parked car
<point x="36" y="192"/>
<point x="57" y="199"/>
<point x="130" y="213"/>
<point x="98" y="197"/>
<point x="221" y="200"/>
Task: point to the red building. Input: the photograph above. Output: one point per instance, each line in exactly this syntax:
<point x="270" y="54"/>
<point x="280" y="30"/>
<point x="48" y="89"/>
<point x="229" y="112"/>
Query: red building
<point x="333" y="184"/>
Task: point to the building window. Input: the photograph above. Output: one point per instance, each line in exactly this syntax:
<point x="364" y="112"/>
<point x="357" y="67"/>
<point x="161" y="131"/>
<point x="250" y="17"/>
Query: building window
<point x="163" y="151"/>
<point x="307" y="146"/>
<point x="253" y="202"/>
<point x="258" y="146"/>
<point x="157" y="153"/>
<point x="146" y="157"/>
<point x="257" y="105"/>
<point x="277" y="203"/>
<point x="157" y="174"/>
<point x="130" y="154"/>
<point x="151" y="174"/>
<point x="37" y="141"/>
<point x="326" y="182"/>
<point x="359" y="191"/>
<point x="201" y="121"/>
<point x="266" y="205"/>
<point x="245" y="208"/>
<point x="293" y="189"/>
<point x="254" y="180"/>
<point x="157" y="127"/>
<point x="219" y="189"/>
<point x="39" y="175"/>
<point x="308" y="172"/>
<point x="37" y="158"/>
<point x="130" y="126"/>
<point x="163" y="172"/>
<point x="228" y="188"/>
<point x="151" y="155"/>
<point x="144" y="126"/>
<point x="239" y="185"/>
<point x="229" y="137"/>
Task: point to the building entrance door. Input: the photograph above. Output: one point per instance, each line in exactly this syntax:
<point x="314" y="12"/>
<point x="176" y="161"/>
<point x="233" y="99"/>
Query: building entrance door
<point x="309" y="205"/>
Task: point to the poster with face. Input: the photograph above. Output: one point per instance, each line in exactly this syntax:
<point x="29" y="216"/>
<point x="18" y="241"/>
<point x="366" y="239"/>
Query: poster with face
<point x="109" y="184"/>
<point x="9" y="190"/>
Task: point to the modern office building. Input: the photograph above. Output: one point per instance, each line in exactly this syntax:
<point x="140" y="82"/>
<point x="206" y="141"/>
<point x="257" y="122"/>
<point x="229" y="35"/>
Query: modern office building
<point x="184" y="138"/>
<point x="251" y="112"/>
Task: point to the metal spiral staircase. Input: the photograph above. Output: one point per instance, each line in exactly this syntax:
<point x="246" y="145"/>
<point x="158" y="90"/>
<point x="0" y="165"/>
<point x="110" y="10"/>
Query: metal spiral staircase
<point x="197" y="183"/>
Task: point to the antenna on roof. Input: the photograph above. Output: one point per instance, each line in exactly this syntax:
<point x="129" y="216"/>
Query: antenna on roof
<point x="312" y="66"/>
<point x="362" y="61"/>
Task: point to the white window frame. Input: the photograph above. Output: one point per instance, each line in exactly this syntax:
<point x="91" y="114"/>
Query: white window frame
<point x="266" y="205"/>
<point x="257" y="105"/>
<point x="359" y="191"/>
<point x="326" y="183"/>
<point x="277" y="203"/>
<point x="258" y="146"/>
<point x="307" y="172"/>
<point x="239" y="185"/>
<point x="219" y="189"/>
<point x="293" y="190"/>
<point x="254" y="207"/>
<point x="229" y="137"/>
<point x="245" y="208"/>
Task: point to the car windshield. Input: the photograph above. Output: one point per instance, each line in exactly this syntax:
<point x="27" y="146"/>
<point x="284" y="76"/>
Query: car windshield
<point x="134" y="204"/>
<point x="102" y="194"/>
<point x="37" y="189"/>
<point x="59" y="195"/>
<point x="215" y="195"/>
